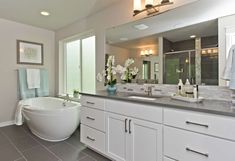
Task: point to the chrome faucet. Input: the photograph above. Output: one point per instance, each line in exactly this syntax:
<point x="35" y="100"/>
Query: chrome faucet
<point x="149" y="90"/>
<point x="66" y="99"/>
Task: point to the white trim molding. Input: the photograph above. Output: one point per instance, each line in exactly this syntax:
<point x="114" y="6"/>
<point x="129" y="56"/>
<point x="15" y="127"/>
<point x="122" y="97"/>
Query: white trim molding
<point x="7" y="123"/>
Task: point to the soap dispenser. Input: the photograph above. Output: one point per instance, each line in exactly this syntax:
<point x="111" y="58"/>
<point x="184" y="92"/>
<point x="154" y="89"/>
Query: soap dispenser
<point x="195" y="92"/>
<point x="180" y="87"/>
<point x="188" y="88"/>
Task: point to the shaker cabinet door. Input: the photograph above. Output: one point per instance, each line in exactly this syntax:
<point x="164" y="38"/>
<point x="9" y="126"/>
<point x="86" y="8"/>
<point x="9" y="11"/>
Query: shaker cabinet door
<point x="145" y="140"/>
<point x="116" y="136"/>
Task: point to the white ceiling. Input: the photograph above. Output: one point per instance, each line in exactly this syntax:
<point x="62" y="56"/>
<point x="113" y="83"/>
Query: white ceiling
<point x="63" y="12"/>
<point x="205" y="29"/>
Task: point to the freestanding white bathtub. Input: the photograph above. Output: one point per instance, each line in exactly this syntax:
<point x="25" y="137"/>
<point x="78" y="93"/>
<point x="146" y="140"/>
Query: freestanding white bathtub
<point x="50" y="118"/>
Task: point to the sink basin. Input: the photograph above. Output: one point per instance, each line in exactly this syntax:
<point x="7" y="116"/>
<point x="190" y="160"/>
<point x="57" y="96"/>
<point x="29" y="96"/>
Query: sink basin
<point x="142" y="98"/>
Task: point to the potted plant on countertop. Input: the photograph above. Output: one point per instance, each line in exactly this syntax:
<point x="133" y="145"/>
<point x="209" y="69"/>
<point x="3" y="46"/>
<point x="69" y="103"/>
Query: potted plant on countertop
<point x="75" y="93"/>
<point x="109" y="75"/>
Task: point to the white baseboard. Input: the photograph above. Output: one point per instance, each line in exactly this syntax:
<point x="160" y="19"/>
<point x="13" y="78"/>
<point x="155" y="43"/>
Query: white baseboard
<point x="7" y="123"/>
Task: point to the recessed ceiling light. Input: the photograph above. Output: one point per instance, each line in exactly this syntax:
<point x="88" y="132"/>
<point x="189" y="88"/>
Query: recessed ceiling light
<point x="45" y="13"/>
<point x="141" y="27"/>
<point x="193" y="36"/>
<point x="123" y="38"/>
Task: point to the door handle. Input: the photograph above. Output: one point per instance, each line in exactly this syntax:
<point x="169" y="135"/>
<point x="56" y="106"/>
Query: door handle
<point x="89" y="138"/>
<point x="91" y="103"/>
<point x="129" y="126"/>
<point x="197" y="124"/>
<point x="126" y="125"/>
<point x="90" y="118"/>
<point x="197" y="152"/>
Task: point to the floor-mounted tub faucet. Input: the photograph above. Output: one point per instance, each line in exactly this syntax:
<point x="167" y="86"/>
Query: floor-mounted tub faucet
<point x="66" y="99"/>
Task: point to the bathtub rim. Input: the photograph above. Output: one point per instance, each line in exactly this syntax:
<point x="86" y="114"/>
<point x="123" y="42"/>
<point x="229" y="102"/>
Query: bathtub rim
<point x="30" y="108"/>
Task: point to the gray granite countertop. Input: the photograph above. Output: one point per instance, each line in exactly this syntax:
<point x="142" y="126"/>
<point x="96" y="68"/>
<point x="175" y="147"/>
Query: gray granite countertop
<point x="207" y="106"/>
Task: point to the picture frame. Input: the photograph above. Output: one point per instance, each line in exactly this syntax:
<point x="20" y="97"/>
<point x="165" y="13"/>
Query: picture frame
<point x="29" y="53"/>
<point x="156" y="67"/>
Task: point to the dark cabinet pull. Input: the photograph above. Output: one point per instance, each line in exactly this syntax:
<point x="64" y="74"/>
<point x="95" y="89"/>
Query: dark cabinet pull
<point x="193" y="123"/>
<point x="126" y="125"/>
<point x="91" y="103"/>
<point x="200" y="153"/>
<point x="89" y="138"/>
<point x="129" y="126"/>
<point x="90" y="118"/>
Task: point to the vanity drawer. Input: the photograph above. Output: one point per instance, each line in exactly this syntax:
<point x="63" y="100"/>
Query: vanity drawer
<point x="140" y="111"/>
<point x="168" y="159"/>
<point x="92" y="102"/>
<point x="216" y="125"/>
<point x="93" y="138"/>
<point x="189" y="146"/>
<point x="93" y="118"/>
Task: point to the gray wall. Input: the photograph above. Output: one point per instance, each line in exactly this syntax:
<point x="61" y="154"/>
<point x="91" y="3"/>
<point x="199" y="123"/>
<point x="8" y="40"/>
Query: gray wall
<point x="10" y="32"/>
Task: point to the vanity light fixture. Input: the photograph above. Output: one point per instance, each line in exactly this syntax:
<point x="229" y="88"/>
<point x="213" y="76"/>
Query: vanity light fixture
<point x="146" y="52"/>
<point x="44" y="13"/>
<point x="150" y="7"/>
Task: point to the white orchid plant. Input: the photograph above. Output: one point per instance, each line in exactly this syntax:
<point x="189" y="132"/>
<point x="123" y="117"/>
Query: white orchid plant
<point x="127" y="73"/>
<point x="109" y="74"/>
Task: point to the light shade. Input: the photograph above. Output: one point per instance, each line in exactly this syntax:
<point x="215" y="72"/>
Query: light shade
<point x="137" y="5"/>
<point x="146" y="52"/>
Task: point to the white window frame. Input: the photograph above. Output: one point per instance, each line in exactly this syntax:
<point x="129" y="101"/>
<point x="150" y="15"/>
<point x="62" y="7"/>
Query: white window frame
<point x="62" y="59"/>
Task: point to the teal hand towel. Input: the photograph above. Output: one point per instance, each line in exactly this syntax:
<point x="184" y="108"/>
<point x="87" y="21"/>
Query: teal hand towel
<point x="25" y="92"/>
<point x="43" y="91"/>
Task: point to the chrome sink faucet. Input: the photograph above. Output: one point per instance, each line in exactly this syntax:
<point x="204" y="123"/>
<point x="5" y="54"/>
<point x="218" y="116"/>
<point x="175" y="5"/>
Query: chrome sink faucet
<point x="149" y="90"/>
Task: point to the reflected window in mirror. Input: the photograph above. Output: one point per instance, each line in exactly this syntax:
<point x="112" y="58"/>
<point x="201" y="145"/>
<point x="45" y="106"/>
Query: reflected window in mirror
<point x="146" y="69"/>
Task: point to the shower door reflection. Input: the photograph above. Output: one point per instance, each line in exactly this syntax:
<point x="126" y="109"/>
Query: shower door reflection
<point x="179" y="65"/>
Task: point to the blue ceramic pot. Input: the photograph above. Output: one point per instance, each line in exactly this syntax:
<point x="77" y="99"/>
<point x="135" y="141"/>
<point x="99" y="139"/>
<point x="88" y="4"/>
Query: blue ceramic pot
<point x="111" y="89"/>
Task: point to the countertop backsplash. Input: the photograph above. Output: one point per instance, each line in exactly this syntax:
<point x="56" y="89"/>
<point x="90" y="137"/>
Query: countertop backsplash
<point x="208" y="92"/>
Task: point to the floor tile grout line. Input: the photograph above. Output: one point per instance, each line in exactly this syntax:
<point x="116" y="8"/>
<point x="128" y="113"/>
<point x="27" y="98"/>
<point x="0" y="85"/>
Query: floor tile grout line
<point x="71" y="145"/>
<point x="91" y="156"/>
<point x="18" y="159"/>
<point x="88" y="156"/>
<point x="46" y="148"/>
<point x="11" y="142"/>
<point x="80" y="150"/>
<point x="31" y="148"/>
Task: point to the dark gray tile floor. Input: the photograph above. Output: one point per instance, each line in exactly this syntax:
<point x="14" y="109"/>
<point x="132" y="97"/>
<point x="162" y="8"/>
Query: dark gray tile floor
<point x="19" y="144"/>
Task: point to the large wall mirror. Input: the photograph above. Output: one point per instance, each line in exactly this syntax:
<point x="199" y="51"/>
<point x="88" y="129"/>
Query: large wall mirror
<point x="191" y="42"/>
<point x="190" y="52"/>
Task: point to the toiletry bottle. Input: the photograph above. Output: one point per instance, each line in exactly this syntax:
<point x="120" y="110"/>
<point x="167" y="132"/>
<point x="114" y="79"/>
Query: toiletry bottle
<point x="188" y="88"/>
<point x="195" y="92"/>
<point x="180" y="85"/>
<point x="187" y="82"/>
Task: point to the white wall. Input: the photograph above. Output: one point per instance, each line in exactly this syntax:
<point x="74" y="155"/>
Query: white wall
<point x="120" y="54"/>
<point x="120" y="13"/>
<point x="98" y="23"/>
<point x="11" y="31"/>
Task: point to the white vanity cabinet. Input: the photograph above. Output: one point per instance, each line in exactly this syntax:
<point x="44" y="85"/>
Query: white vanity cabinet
<point x="129" y="138"/>
<point x="129" y="131"/>
<point x="194" y="136"/>
<point x="93" y="123"/>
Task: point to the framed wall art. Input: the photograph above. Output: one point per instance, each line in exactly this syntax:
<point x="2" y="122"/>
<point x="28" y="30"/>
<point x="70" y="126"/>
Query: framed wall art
<point x="30" y="53"/>
<point x="156" y="67"/>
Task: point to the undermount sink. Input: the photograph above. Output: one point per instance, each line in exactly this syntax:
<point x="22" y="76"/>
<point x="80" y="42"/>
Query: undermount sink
<point x="142" y="98"/>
